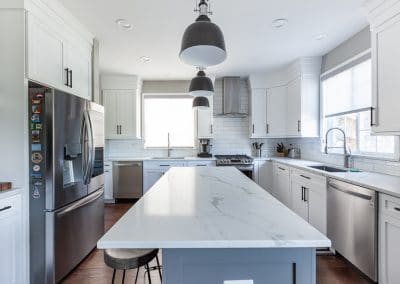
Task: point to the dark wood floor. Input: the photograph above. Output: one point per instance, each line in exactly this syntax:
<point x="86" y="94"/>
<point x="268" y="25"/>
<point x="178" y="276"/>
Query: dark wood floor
<point x="330" y="269"/>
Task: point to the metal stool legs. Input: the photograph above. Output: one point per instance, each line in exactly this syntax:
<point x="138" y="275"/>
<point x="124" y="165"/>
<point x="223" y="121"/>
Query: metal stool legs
<point x="113" y="278"/>
<point x="137" y="274"/>
<point x="159" y="267"/>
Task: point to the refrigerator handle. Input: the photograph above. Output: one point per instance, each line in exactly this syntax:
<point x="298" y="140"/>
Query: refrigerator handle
<point x="91" y="147"/>
<point x="87" y="200"/>
<point x="84" y="149"/>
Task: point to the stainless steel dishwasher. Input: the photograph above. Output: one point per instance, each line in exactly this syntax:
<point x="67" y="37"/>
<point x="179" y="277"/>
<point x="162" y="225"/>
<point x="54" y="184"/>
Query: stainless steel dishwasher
<point x="128" y="179"/>
<point x="352" y="225"/>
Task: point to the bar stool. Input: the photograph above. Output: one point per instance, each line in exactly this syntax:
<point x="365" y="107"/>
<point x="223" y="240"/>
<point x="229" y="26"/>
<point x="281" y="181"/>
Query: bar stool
<point x="125" y="259"/>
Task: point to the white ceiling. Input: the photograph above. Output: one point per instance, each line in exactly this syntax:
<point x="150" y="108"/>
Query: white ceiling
<point x="253" y="45"/>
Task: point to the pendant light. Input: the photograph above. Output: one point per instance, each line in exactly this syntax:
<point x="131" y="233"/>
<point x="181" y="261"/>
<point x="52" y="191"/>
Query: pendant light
<point x="201" y="103"/>
<point x="201" y="85"/>
<point x="203" y="42"/>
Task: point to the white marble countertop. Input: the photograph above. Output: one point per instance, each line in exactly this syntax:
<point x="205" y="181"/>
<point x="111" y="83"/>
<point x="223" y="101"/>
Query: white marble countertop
<point x="10" y="192"/>
<point x="379" y="182"/>
<point x="210" y="208"/>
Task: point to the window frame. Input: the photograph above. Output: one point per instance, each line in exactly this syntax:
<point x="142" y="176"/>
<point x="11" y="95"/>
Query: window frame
<point x="164" y="96"/>
<point x="350" y="63"/>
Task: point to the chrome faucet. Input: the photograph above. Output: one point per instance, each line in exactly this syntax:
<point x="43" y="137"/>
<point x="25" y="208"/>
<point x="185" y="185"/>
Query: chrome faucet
<point x="346" y="152"/>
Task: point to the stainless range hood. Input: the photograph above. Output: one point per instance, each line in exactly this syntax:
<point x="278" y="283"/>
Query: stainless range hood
<point x="231" y="98"/>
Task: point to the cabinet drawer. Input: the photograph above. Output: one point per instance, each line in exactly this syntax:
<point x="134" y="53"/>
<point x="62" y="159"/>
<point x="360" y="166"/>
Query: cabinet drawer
<point x="10" y="206"/>
<point x="163" y="165"/>
<point x="200" y="163"/>
<point x="281" y="169"/>
<point x="389" y="205"/>
<point x="307" y="177"/>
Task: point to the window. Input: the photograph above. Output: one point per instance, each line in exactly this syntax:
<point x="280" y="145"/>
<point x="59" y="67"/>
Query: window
<point x="346" y="105"/>
<point x="168" y="114"/>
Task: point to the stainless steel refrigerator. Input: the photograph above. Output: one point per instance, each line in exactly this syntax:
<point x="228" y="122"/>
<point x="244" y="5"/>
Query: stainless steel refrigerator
<point x="66" y="181"/>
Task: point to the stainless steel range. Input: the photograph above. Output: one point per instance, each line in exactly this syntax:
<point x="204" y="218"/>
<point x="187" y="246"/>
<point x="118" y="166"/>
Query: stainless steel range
<point x="243" y="163"/>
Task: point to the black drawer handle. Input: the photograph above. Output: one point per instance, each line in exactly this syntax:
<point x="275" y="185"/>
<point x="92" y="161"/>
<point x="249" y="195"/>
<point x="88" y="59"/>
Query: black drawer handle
<point x="5" y="208"/>
<point x="282" y="169"/>
<point x="165" y="165"/>
<point x="397" y="209"/>
<point x="306" y="177"/>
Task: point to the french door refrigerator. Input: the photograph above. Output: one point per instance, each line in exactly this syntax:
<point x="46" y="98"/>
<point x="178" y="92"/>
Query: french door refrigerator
<point x="66" y="181"/>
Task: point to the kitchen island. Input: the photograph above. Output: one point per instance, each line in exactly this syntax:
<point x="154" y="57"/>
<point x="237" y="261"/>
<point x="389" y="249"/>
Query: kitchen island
<point x="215" y="224"/>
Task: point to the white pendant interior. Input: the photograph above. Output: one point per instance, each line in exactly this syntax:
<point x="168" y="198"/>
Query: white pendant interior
<point x="203" y="55"/>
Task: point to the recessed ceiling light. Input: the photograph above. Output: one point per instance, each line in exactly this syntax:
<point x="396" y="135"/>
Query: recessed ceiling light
<point x="321" y="36"/>
<point x="279" y="23"/>
<point x="145" y="59"/>
<point x="123" y="24"/>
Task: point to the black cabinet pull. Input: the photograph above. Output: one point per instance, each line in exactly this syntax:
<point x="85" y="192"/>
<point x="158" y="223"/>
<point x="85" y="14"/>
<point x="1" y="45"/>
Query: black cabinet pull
<point x="267" y="128"/>
<point x="397" y="209"/>
<point x="302" y="193"/>
<point x="211" y="127"/>
<point x="253" y="128"/>
<point x="306" y="177"/>
<point x="282" y="169"/>
<point x="5" y="208"/>
<point x="120" y="129"/>
<point x="299" y="126"/>
<point x="305" y="194"/>
<point x="372" y="116"/>
<point x="70" y="79"/>
<point x="67" y="76"/>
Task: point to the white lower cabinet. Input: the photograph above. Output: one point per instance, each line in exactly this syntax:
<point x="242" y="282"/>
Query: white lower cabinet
<point x="153" y="170"/>
<point x="309" y="198"/>
<point x="108" y="182"/>
<point x="282" y="184"/>
<point x="10" y="240"/>
<point x="264" y="175"/>
<point x="389" y="237"/>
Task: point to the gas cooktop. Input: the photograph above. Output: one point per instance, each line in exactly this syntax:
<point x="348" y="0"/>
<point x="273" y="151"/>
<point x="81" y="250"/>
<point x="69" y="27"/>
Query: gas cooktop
<point x="234" y="160"/>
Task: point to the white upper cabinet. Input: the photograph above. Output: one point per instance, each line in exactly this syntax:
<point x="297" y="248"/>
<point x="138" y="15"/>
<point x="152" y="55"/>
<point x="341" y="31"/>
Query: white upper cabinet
<point x="57" y="55"/>
<point x="205" y="120"/>
<point x="291" y="105"/>
<point x="122" y="106"/>
<point x="78" y="71"/>
<point x="119" y="114"/>
<point x="44" y="53"/>
<point x="258" y="101"/>
<point x="276" y="111"/>
<point x="384" y="17"/>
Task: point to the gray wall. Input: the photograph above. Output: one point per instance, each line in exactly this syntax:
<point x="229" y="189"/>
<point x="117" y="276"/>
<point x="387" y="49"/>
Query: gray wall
<point x="348" y="49"/>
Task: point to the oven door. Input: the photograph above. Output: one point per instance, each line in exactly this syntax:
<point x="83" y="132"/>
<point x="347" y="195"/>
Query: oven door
<point x="247" y="170"/>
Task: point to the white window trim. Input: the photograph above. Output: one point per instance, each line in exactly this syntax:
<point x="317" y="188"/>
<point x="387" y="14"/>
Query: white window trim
<point x="395" y="157"/>
<point x="166" y="96"/>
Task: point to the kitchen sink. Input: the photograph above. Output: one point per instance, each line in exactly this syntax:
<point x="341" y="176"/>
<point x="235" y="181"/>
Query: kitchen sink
<point x="328" y="169"/>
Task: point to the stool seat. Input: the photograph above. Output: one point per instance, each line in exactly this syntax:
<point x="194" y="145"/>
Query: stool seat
<point x="124" y="259"/>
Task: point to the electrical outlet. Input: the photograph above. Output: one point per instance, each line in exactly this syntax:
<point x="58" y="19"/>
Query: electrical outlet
<point x="238" y="282"/>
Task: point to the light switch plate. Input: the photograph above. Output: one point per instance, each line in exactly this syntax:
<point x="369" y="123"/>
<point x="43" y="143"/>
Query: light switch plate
<point x="238" y="282"/>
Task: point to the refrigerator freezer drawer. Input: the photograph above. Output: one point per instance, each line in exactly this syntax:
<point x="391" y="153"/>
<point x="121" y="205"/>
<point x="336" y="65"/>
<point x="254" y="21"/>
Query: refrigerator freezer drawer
<point x="72" y="232"/>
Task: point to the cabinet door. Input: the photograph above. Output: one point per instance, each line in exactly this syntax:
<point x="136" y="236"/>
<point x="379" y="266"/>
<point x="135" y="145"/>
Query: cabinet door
<point x="299" y="199"/>
<point x="45" y="54"/>
<point x="108" y="182"/>
<point x="317" y="206"/>
<point x="258" y="127"/>
<point x="276" y="111"/>
<point x="110" y="114"/>
<point x="205" y="121"/>
<point x="282" y="185"/>
<point x="266" y="176"/>
<point x="10" y="242"/>
<point x="78" y="62"/>
<point x="293" y="123"/>
<point x="126" y="113"/>
<point x="386" y="84"/>
<point x="150" y="177"/>
<point x="389" y="249"/>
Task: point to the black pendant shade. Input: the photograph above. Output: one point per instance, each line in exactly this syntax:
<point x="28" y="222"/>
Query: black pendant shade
<point x="201" y="86"/>
<point x="203" y="44"/>
<point x="201" y="102"/>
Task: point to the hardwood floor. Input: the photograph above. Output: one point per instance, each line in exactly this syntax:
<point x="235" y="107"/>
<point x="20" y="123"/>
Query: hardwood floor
<point x="92" y="270"/>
